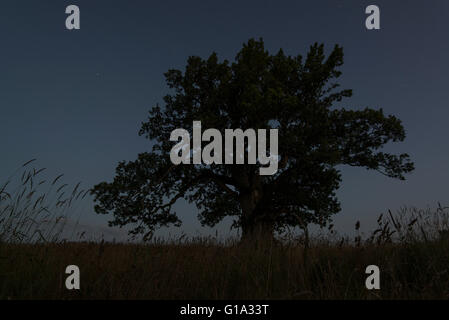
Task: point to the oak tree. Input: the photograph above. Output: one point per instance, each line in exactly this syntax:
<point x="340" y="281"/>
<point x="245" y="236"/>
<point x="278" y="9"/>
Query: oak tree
<point x="294" y="94"/>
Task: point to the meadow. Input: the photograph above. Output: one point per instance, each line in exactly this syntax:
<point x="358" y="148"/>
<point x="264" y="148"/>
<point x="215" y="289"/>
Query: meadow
<point x="411" y="248"/>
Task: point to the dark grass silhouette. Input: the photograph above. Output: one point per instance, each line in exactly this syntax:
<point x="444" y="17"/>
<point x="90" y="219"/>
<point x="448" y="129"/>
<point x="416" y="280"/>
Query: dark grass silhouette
<point x="34" y="207"/>
<point x="410" y="247"/>
<point x="202" y="269"/>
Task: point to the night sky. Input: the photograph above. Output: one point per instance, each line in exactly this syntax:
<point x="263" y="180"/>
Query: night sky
<point x="75" y="99"/>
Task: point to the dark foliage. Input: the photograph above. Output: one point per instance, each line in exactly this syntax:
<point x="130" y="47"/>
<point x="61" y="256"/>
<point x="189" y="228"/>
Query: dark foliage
<point x="295" y="95"/>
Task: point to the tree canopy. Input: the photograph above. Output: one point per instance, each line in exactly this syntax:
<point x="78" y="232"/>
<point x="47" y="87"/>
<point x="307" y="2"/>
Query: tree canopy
<point x="294" y="94"/>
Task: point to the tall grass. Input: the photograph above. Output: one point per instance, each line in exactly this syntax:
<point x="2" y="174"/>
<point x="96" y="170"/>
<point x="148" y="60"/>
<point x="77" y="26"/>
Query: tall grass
<point x="193" y="269"/>
<point x="411" y="248"/>
<point x="34" y="208"/>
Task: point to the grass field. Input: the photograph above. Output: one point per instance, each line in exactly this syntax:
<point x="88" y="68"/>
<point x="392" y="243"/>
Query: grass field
<point x="202" y="270"/>
<point x="411" y="248"/>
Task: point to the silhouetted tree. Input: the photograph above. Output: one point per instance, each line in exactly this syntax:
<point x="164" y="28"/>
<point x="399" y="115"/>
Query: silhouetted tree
<point x="260" y="91"/>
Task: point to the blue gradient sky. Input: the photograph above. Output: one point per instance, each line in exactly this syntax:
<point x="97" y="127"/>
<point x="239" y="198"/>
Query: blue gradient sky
<point x="75" y="99"/>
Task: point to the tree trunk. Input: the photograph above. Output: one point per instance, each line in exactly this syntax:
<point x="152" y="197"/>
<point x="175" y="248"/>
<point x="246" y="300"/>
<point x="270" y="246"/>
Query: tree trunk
<point x="258" y="231"/>
<point x="254" y="227"/>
